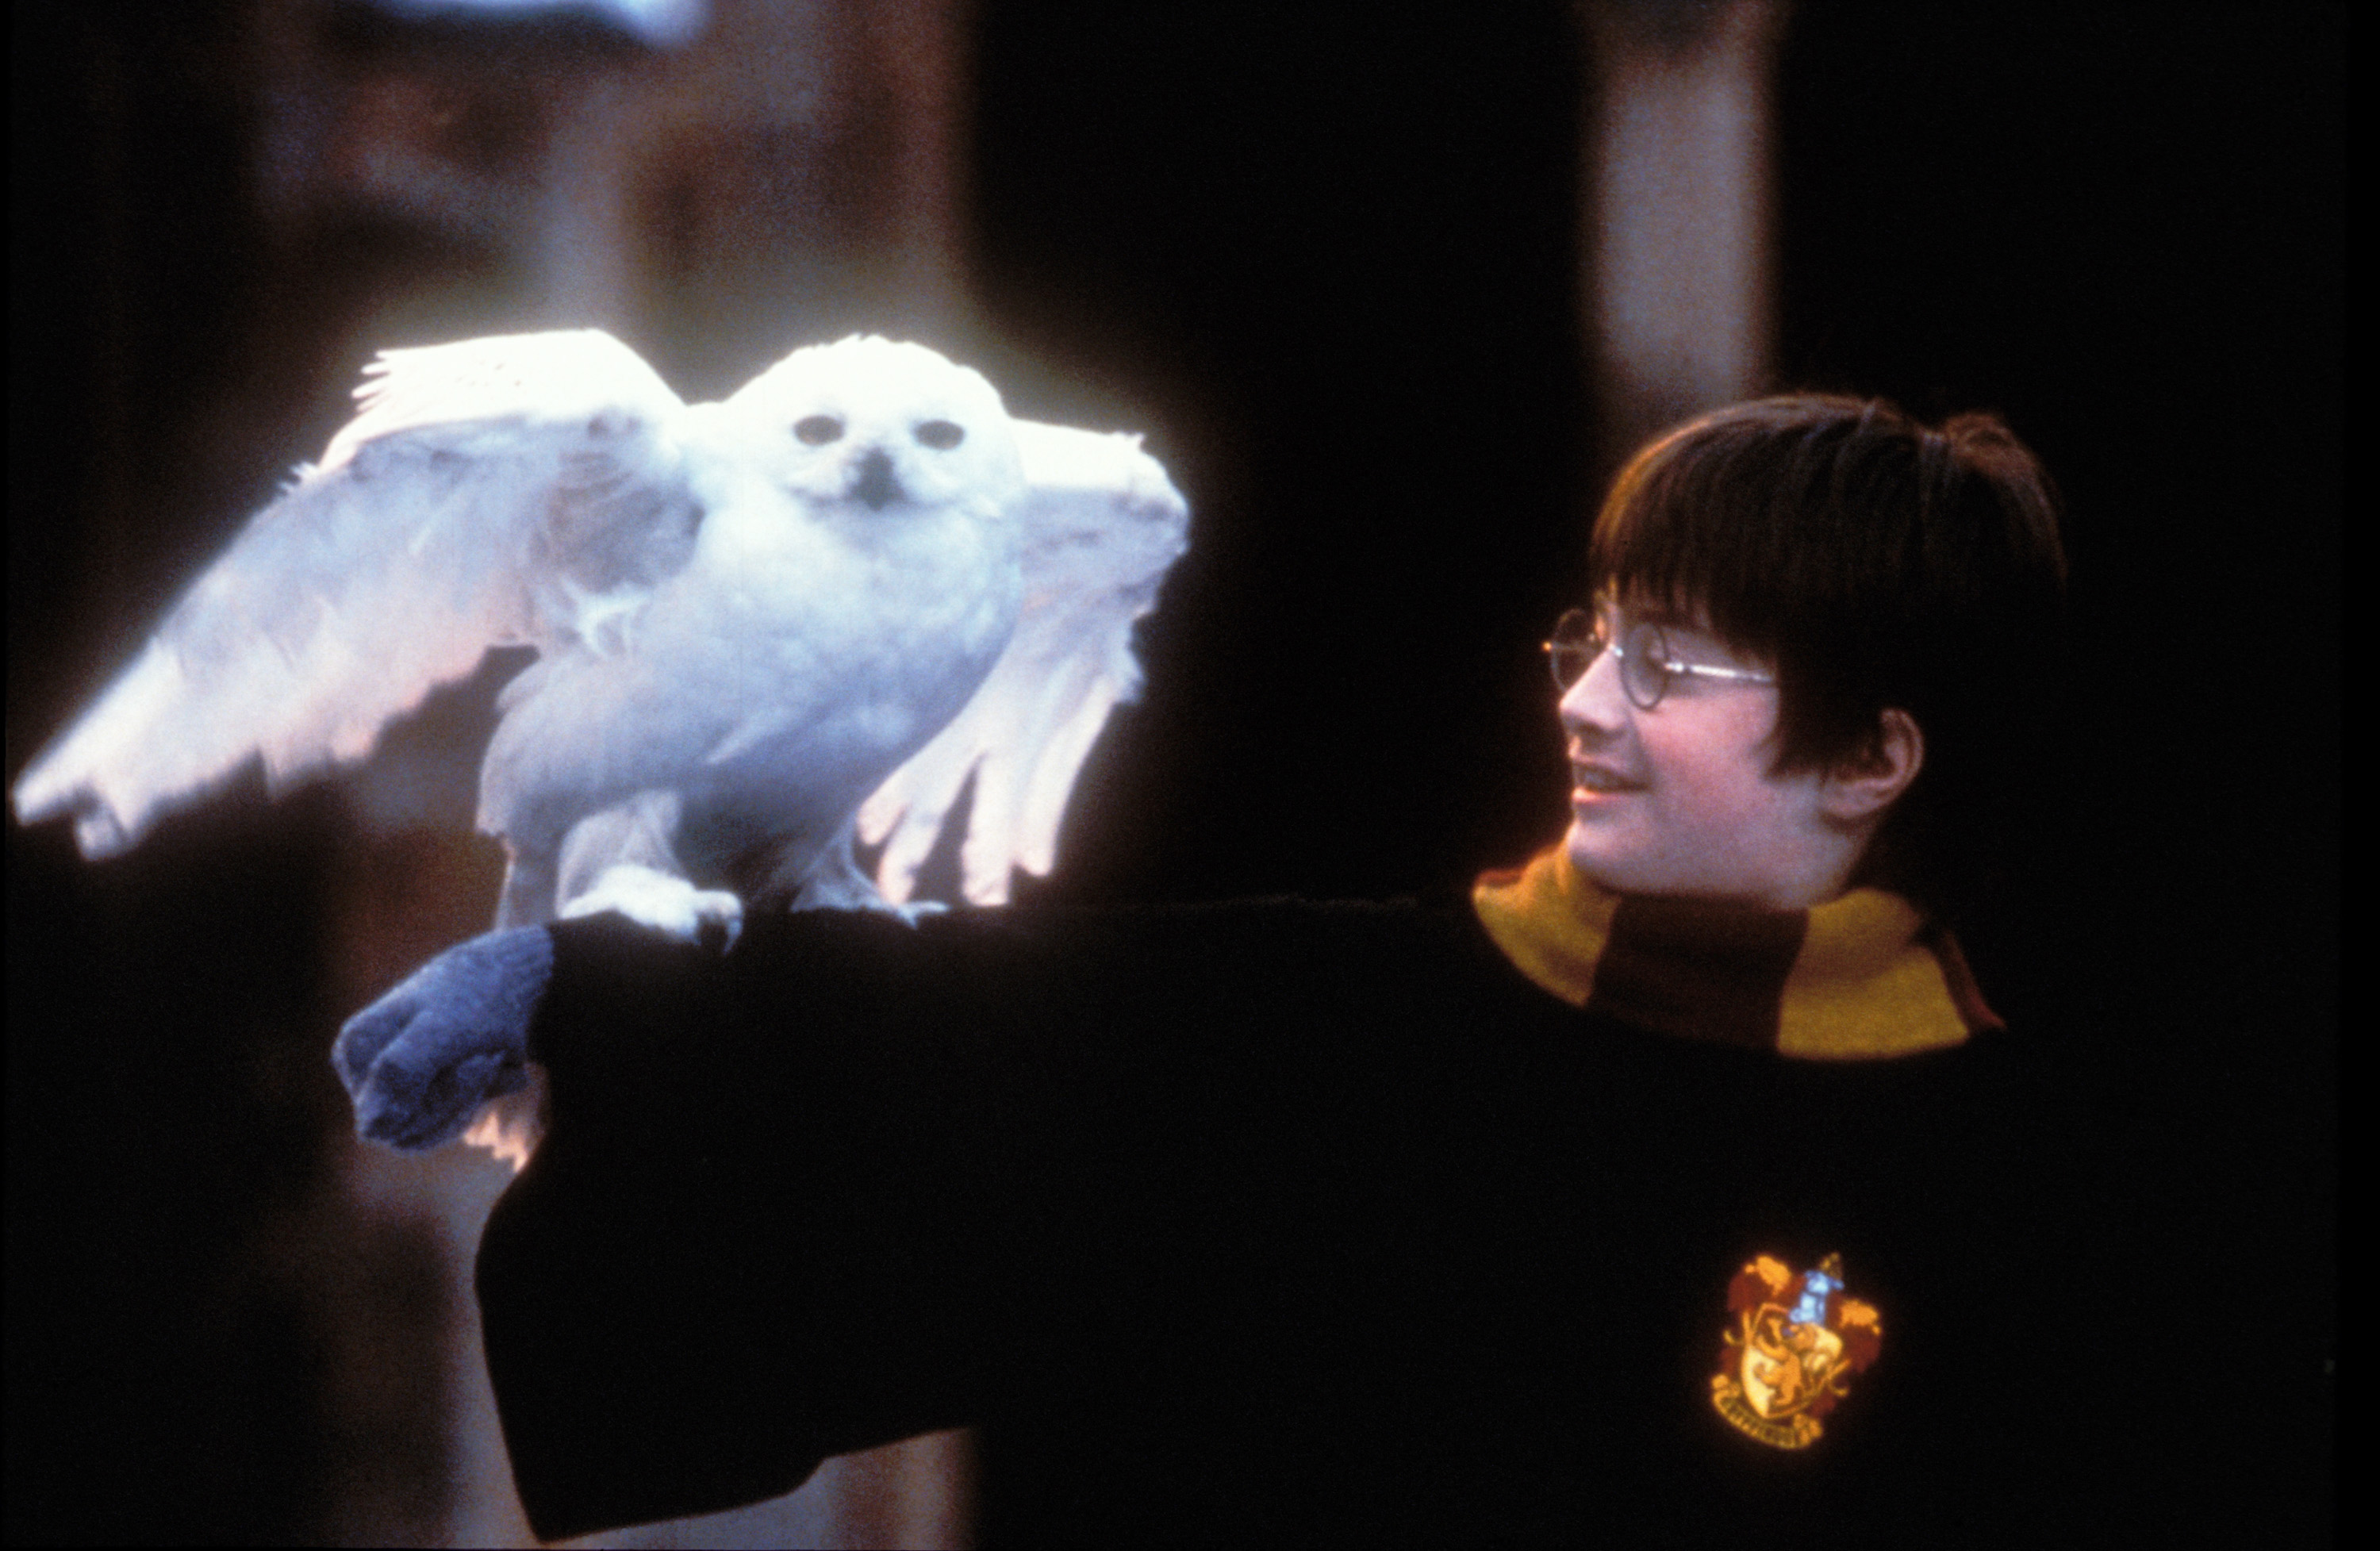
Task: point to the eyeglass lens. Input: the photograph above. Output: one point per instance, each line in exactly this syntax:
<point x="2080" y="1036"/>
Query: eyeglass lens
<point x="1644" y="665"/>
<point x="1573" y="648"/>
<point x="1644" y="657"/>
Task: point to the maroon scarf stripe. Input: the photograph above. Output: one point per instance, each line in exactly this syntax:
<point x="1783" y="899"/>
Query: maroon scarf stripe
<point x="1705" y="971"/>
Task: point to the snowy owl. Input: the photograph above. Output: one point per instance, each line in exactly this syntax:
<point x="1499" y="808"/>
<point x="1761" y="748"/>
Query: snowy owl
<point x="821" y="606"/>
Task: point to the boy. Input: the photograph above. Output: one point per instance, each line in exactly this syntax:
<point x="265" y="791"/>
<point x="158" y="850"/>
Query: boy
<point x="1679" y="1185"/>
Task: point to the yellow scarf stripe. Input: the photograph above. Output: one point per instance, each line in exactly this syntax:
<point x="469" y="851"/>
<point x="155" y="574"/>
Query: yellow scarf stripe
<point x="1861" y="988"/>
<point x="1869" y="982"/>
<point x="1549" y="921"/>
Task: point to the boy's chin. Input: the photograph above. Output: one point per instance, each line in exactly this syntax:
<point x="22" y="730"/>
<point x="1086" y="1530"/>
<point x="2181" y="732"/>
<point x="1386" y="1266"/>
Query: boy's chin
<point x="1606" y="860"/>
<point x="1590" y="853"/>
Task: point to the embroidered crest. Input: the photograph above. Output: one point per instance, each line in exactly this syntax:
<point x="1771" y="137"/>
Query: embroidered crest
<point x="1796" y="1343"/>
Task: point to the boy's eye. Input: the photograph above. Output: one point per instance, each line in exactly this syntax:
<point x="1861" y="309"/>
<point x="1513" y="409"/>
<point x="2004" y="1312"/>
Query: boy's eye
<point x="1681" y="652"/>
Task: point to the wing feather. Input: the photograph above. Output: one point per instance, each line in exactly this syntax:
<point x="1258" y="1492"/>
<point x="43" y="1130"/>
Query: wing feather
<point x="496" y="491"/>
<point x="1102" y="524"/>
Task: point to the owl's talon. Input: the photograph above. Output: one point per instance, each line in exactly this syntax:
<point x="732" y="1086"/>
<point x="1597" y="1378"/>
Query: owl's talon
<point x="709" y="918"/>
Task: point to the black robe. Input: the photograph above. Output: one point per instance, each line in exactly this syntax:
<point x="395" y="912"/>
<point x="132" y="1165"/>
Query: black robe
<point x="1270" y="1222"/>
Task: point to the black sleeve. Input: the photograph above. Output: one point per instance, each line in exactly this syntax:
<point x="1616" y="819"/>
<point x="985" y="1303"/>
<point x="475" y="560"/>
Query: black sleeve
<point x="860" y="1181"/>
<point x="659" y="1226"/>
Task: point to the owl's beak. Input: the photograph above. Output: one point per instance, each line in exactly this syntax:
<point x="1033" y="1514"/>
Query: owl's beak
<point x="877" y="484"/>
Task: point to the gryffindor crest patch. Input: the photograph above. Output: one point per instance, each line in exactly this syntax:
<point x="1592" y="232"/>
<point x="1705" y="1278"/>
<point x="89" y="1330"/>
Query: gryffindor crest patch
<point x="1788" y="1358"/>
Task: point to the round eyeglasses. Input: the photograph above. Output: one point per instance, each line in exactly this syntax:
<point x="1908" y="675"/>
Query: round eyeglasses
<point x="1645" y="665"/>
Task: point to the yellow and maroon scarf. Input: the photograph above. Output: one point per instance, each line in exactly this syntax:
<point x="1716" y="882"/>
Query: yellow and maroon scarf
<point x="1858" y="978"/>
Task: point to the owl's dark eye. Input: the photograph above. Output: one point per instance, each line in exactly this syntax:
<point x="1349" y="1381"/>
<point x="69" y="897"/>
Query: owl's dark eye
<point x="818" y="429"/>
<point x="940" y="436"/>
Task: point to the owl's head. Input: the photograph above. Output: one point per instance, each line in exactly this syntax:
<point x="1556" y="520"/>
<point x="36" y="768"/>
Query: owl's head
<point x="880" y="426"/>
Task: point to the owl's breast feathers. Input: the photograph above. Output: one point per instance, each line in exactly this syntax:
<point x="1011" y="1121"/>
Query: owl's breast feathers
<point x="798" y="658"/>
<point x="815" y="606"/>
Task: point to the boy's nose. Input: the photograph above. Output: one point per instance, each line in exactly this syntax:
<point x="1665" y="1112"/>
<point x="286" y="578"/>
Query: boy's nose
<point x="1595" y="707"/>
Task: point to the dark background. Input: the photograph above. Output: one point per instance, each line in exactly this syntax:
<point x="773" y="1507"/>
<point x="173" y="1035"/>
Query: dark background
<point x="1327" y="259"/>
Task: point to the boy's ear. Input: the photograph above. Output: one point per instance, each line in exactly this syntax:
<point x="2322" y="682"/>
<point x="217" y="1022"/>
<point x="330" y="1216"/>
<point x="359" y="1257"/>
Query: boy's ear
<point x="1868" y="783"/>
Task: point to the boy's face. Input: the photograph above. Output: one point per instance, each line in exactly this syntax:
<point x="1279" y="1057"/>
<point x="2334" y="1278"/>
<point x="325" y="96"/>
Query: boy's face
<point x="1679" y="800"/>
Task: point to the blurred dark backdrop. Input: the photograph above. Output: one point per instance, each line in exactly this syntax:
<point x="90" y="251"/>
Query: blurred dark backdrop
<point x="1326" y="257"/>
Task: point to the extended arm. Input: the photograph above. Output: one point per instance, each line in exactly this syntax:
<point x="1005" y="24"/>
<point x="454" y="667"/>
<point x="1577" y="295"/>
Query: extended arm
<point x="855" y="1181"/>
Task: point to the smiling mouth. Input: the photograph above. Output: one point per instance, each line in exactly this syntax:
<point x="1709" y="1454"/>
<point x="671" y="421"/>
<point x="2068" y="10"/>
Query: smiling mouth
<point x="1592" y="778"/>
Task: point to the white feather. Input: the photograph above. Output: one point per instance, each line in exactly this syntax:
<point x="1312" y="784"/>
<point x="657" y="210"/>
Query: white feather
<point x="426" y="536"/>
<point x="1102" y="524"/>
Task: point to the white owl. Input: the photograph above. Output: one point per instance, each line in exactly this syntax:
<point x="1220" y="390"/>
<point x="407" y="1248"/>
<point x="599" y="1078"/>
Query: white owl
<point x="827" y="601"/>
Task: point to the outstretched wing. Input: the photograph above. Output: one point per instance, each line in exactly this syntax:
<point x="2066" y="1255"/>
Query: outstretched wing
<point x="1102" y="526"/>
<point x="496" y="491"/>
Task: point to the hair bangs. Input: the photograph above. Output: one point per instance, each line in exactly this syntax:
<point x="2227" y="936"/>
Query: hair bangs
<point x="1751" y="523"/>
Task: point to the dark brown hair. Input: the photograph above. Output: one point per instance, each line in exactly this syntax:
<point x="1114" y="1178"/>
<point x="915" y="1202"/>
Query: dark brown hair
<point x="1874" y="561"/>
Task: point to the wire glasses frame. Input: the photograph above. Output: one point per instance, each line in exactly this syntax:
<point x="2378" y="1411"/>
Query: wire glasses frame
<point x="1645" y="665"/>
